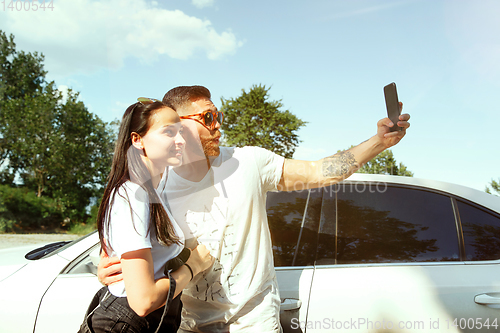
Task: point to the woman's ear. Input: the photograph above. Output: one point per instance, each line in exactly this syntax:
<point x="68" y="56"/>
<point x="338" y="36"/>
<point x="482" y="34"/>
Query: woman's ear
<point x="136" y="141"/>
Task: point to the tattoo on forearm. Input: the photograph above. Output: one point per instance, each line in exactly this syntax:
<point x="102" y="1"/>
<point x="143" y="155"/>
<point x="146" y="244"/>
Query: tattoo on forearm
<point x="338" y="164"/>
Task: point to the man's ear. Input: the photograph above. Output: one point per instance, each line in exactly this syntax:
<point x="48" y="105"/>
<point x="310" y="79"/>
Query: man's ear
<point x="136" y="141"/>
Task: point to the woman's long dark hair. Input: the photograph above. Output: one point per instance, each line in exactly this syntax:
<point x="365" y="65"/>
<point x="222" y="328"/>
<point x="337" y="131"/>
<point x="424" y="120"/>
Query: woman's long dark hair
<point x="127" y="165"/>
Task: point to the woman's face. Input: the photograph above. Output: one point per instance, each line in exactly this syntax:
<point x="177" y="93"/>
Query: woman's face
<point x="163" y="142"/>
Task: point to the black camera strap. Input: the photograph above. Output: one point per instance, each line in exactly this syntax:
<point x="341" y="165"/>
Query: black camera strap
<point x="171" y="292"/>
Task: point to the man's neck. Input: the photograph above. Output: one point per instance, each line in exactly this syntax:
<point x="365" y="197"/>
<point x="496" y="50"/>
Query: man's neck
<point x="193" y="171"/>
<point x="196" y="170"/>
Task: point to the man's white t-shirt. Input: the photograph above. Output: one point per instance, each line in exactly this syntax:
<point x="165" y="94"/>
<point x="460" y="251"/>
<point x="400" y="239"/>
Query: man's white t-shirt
<point x="128" y="231"/>
<point x="226" y="211"/>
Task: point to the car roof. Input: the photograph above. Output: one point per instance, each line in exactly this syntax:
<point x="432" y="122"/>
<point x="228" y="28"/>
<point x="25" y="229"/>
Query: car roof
<point x="482" y="198"/>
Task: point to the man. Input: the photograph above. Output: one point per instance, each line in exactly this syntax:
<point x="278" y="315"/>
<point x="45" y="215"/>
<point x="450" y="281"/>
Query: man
<point x="220" y="195"/>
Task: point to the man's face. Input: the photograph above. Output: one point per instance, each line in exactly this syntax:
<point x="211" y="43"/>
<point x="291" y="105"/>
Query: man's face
<point x="209" y="138"/>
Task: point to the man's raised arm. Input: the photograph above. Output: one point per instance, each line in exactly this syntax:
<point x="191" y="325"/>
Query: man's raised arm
<point x="300" y="175"/>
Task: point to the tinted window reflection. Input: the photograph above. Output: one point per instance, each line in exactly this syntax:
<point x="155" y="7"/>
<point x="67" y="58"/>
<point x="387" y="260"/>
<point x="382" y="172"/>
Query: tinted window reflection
<point x="285" y="211"/>
<point x="378" y="224"/>
<point x="481" y="232"/>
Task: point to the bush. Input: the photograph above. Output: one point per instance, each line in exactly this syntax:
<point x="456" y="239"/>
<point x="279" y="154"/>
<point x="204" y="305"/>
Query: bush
<point x="21" y="209"/>
<point x="89" y="226"/>
<point x="6" y="225"/>
<point x="81" y="228"/>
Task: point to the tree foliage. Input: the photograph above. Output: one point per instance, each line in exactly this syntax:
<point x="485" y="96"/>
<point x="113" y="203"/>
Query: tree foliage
<point x="50" y="142"/>
<point x="385" y="164"/>
<point x="253" y="120"/>
<point x="494" y="187"/>
<point x="21" y="74"/>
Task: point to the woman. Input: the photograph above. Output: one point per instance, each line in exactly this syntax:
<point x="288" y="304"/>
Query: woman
<point x="135" y="225"/>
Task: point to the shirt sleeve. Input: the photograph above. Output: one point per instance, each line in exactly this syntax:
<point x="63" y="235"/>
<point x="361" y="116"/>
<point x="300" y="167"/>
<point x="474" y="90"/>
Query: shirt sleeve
<point x="129" y="220"/>
<point x="270" y="166"/>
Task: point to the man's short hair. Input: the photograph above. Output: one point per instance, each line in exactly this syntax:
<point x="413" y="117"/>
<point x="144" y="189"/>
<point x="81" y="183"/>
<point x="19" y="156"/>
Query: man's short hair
<point x="180" y="96"/>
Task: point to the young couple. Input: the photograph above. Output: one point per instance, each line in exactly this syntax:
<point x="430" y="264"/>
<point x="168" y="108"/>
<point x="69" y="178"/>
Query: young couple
<point x="212" y="196"/>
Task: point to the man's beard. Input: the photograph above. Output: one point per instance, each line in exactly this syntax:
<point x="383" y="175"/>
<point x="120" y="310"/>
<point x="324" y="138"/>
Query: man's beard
<point x="210" y="148"/>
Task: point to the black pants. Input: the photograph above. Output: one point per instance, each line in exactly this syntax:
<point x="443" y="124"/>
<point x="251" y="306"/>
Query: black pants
<point x="110" y="314"/>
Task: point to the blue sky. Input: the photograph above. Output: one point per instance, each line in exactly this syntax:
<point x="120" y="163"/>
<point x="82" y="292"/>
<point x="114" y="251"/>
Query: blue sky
<point x="327" y="60"/>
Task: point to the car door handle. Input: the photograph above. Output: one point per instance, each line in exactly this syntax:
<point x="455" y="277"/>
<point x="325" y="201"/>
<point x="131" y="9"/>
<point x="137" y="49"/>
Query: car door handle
<point x="487" y="299"/>
<point x="289" y="304"/>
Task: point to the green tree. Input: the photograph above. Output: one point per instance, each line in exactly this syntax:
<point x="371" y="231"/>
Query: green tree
<point x="30" y="137"/>
<point x="493" y="186"/>
<point x="21" y="74"/>
<point x="62" y="150"/>
<point x="59" y="149"/>
<point x="252" y="120"/>
<point x="385" y="164"/>
<point x="83" y="147"/>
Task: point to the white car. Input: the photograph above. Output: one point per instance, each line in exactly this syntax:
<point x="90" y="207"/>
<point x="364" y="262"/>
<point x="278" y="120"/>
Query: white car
<point x="374" y="253"/>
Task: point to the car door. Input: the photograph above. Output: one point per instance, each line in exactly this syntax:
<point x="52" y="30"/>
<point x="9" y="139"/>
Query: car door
<point x="63" y="306"/>
<point x="293" y="221"/>
<point x="390" y="258"/>
<point x="481" y="237"/>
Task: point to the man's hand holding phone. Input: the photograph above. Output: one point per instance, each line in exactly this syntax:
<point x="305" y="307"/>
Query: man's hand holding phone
<point x="392" y="129"/>
<point x="393" y="105"/>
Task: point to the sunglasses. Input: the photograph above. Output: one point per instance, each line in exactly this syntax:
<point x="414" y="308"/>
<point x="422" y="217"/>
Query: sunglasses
<point x="147" y="101"/>
<point x="208" y="118"/>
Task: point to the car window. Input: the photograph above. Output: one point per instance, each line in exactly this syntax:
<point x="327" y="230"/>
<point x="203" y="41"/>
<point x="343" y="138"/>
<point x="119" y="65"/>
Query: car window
<point x="481" y="230"/>
<point x="86" y="263"/>
<point x="289" y="226"/>
<point x="383" y="224"/>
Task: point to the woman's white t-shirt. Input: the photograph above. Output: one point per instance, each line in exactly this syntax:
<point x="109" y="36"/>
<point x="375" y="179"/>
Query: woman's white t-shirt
<point x="128" y="231"/>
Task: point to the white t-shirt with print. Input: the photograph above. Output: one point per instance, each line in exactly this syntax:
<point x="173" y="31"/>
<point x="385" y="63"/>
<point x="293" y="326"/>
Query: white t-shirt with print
<point x="226" y="211"/>
<point x="128" y="231"/>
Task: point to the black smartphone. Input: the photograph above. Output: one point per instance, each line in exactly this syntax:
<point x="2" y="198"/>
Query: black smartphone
<point x="392" y="104"/>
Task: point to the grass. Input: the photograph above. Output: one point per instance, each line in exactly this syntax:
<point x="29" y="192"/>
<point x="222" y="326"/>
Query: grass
<point x="76" y="228"/>
<point x="81" y="228"/>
